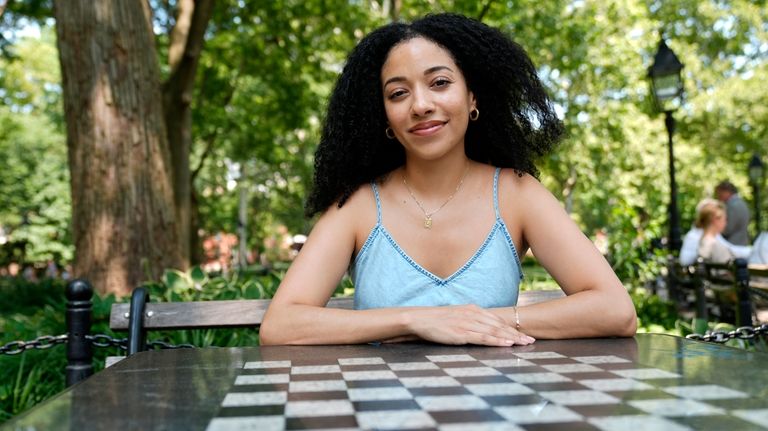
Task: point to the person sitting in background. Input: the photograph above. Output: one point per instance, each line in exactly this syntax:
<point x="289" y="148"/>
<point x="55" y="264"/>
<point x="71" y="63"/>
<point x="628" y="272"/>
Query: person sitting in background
<point x="690" y="249"/>
<point x="759" y="254"/>
<point x="737" y="213"/>
<point x="712" y="220"/>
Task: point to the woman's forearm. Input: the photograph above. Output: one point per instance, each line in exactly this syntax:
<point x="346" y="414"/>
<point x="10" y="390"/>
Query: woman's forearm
<point x="456" y="324"/>
<point x="581" y="315"/>
<point x="305" y="324"/>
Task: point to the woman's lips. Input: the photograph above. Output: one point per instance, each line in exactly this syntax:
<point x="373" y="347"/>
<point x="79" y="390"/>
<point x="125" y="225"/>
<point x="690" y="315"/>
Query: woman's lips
<point x="427" y="128"/>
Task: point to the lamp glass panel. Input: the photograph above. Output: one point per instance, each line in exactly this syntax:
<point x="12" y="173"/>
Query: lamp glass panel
<point x="666" y="91"/>
<point x="666" y="87"/>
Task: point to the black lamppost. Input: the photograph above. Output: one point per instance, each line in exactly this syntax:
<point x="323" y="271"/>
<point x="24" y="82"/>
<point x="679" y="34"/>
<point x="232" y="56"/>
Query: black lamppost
<point x="667" y="91"/>
<point x="756" y="179"/>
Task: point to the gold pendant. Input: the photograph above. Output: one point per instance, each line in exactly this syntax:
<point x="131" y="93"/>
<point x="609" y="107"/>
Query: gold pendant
<point x="428" y="222"/>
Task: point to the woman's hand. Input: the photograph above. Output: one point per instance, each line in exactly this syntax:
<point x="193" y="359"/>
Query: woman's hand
<point x="463" y="324"/>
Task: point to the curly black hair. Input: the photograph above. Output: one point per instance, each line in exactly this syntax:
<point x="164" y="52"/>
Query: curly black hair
<point x="518" y="124"/>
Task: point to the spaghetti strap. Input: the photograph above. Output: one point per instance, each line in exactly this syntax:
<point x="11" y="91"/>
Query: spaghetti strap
<point x="496" y="193"/>
<point x="378" y="202"/>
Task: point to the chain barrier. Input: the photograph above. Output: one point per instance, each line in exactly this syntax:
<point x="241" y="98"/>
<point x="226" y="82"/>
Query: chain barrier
<point x="104" y="340"/>
<point x="39" y="343"/>
<point x="742" y="333"/>
<point x="97" y="340"/>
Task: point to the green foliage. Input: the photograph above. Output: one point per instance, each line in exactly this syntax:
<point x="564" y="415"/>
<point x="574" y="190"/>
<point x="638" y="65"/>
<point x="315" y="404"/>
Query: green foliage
<point x="535" y="276"/>
<point x="18" y="14"/>
<point x="267" y="68"/>
<point x="264" y="78"/>
<point x="196" y="285"/>
<point x="630" y="250"/>
<point x="34" y="182"/>
<point x="653" y="313"/>
<point x="29" y="310"/>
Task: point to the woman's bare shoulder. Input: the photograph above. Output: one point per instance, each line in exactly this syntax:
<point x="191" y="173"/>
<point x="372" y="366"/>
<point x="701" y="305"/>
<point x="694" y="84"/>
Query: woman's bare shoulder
<point x="518" y="189"/>
<point x="356" y="215"/>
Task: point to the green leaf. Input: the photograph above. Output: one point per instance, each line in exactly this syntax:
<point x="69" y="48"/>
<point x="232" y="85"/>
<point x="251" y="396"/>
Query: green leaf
<point x="198" y="275"/>
<point x="176" y="280"/>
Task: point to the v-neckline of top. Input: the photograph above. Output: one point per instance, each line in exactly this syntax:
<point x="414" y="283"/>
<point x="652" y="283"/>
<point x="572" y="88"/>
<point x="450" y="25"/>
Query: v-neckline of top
<point x="442" y="280"/>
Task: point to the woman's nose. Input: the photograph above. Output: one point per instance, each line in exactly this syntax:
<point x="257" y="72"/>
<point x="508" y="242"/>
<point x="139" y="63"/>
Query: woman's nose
<point x="422" y="103"/>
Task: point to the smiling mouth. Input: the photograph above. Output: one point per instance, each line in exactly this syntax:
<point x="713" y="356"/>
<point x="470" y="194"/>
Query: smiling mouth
<point x="427" y="128"/>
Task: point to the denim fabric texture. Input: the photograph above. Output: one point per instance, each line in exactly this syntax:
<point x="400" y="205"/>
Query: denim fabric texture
<point x="385" y="276"/>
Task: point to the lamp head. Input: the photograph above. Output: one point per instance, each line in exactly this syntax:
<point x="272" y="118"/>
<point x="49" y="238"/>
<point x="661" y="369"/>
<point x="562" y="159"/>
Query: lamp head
<point x="666" y="79"/>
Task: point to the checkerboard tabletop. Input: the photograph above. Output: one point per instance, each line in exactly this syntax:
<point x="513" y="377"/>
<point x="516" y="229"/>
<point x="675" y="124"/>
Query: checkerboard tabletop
<point x="648" y="382"/>
<point x="481" y="389"/>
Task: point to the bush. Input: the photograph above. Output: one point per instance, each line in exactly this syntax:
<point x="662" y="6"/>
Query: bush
<point x="27" y="311"/>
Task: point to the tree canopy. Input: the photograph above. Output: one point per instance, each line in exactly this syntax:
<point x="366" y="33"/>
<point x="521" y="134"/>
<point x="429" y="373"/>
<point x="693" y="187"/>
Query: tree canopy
<point x="267" y="68"/>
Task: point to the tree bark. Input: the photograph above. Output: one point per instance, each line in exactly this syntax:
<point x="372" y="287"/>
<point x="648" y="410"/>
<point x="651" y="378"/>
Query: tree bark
<point x="394" y="12"/>
<point x="184" y="54"/>
<point x="123" y="215"/>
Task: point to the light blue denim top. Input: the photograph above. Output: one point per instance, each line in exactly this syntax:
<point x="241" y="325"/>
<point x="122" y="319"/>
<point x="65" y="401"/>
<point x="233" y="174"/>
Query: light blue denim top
<point x="385" y="276"/>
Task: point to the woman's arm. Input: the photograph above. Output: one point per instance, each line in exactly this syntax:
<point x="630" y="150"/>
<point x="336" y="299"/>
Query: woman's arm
<point x="597" y="304"/>
<point x="297" y="314"/>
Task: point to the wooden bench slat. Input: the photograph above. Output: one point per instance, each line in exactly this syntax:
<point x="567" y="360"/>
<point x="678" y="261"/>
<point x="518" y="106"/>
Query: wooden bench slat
<point x="203" y="314"/>
<point x="758" y="276"/>
<point x="241" y="313"/>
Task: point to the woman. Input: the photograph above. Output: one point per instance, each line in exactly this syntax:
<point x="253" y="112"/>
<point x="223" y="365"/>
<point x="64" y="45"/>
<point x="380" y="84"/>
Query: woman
<point x="712" y="221"/>
<point x="689" y="251"/>
<point x="415" y="203"/>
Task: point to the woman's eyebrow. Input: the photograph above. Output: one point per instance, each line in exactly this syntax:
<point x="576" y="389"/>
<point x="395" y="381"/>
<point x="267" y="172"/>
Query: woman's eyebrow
<point x="394" y="79"/>
<point x="437" y="68"/>
<point x="429" y="71"/>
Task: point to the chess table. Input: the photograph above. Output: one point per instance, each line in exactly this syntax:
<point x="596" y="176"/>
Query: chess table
<point x="649" y="382"/>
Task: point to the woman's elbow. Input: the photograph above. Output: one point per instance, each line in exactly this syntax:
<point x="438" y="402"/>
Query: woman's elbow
<point x="269" y="333"/>
<point x="626" y="321"/>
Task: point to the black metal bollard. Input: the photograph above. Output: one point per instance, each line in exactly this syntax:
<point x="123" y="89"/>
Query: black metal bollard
<point x="702" y="313"/>
<point x="744" y="308"/>
<point x="79" y="351"/>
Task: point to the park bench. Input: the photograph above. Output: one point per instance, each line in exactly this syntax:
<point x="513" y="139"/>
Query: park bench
<point x="219" y="314"/>
<point x="728" y="291"/>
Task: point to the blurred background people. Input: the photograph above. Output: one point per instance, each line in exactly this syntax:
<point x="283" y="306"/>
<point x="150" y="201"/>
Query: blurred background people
<point x="712" y="219"/>
<point x="704" y="213"/>
<point x="737" y="213"/>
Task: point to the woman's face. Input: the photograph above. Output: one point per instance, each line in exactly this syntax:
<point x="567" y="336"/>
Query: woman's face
<point x="426" y="99"/>
<point x="720" y="221"/>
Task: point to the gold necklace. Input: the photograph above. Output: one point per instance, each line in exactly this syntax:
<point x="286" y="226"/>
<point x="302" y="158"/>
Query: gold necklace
<point x="428" y="215"/>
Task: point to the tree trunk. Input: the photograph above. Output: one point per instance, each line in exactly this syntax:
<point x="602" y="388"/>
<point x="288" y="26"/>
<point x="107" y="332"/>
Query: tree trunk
<point x="184" y="54"/>
<point x="123" y="215"/>
<point x="394" y="11"/>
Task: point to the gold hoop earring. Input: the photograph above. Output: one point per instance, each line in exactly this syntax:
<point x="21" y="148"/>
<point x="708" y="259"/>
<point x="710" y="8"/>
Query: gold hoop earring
<point x="474" y="114"/>
<point x="389" y="132"/>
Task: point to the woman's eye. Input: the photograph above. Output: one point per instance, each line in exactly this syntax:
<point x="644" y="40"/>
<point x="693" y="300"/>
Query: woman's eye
<point x="441" y="82"/>
<point x="395" y="94"/>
